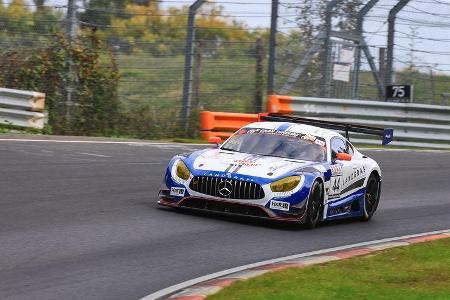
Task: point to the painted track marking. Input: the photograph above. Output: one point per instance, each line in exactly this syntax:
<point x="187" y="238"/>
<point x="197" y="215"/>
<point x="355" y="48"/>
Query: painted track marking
<point x="93" y="154"/>
<point x="180" y="145"/>
<point x="164" y="293"/>
<point x="102" y="142"/>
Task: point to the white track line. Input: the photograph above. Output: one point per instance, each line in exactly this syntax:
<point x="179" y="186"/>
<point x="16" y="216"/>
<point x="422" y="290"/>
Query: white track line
<point x="93" y="154"/>
<point x="188" y="144"/>
<point x="101" y="142"/>
<point x="174" y="288"/>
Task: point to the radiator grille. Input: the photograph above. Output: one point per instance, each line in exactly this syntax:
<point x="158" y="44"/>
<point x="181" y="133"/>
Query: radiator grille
<point x="226" y="188"/>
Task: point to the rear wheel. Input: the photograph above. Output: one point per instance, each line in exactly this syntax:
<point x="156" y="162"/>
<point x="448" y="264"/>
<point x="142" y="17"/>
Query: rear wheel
<point x="314" y="206"/>
<point x="371" y="197"/>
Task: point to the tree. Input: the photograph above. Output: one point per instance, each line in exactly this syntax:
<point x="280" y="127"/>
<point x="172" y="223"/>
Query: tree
<point x="39" y="4"/>
<point x="142" y="2"/>
<point x="18" y="17"/>
<point x="2" y="15"/>
<point x="43" y="69"/>
<point x="311" y="15"/>
<point x="47" y="19"/>
<point x="101" y="12"/>
<point x="310" y="21"/>
<point x="160" y="27"/>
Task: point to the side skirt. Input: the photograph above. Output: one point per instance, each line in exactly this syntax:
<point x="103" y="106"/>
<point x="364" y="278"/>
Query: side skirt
<point x="347" y="207"/>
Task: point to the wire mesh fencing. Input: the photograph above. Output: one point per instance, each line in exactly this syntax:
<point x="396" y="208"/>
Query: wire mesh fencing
<point x="420" y="58"/>
<point x="119" y="67"/>
<point x="145" y="43"/>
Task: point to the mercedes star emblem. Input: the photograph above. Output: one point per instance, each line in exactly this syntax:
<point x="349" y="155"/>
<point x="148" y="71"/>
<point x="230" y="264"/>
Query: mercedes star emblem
<point x="225" y="188"/>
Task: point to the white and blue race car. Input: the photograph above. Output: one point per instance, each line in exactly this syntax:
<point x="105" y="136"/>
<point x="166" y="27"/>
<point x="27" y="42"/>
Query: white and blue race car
<point x="281" y="168"/>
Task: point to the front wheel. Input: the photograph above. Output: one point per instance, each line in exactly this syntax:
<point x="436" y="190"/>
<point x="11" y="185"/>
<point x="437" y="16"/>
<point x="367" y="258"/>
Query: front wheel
<point x="314" y="206"/>
<point x="371" y="197"/>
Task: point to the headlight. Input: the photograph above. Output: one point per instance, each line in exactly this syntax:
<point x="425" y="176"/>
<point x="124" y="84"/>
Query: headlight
<point x="182" y="171"/>
<point x="285" y="185"/>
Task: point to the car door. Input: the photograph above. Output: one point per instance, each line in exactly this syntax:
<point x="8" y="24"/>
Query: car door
<point x="341" y="170"/>
<point x="355" y="178"/>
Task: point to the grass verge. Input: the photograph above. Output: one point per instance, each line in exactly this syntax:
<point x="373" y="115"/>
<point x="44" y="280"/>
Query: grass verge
<point x="419" y="271"/>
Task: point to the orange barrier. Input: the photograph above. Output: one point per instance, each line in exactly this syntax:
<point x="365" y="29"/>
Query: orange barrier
<point x="279" y="104"/>
<point x="223" y="124"/>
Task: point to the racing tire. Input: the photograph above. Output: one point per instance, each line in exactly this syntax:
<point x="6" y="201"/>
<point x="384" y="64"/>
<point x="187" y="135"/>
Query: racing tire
<point x="371" y="197"/>
<point x="314" y="206"/>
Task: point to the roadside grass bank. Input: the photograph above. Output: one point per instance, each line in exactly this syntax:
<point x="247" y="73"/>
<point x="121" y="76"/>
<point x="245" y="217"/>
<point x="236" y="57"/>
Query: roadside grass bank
<point x="420" y="271"/>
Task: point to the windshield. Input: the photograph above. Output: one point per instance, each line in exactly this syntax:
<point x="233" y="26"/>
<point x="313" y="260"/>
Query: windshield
<point x="270" y="142"/>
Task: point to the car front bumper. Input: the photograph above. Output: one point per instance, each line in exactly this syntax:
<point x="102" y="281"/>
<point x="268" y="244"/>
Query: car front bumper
<point x="228" y="207"/>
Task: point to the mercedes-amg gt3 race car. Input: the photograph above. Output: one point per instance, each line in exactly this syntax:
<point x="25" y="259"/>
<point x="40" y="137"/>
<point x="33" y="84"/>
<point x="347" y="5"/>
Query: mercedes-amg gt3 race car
<point x="281" y="168"/>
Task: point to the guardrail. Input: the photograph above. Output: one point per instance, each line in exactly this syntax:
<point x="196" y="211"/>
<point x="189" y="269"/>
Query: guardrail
<point x="22" y="108"/>
<point x="415" y="125"/>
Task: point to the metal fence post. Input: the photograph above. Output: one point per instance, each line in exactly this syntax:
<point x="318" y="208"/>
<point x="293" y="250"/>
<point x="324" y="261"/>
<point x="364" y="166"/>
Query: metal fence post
<point x="390" y="41"/>
<point x="326" y="56"/>
<point x="359" y="32"/>
<point x="382" y="61"/>
<point x="272" y="48"/>
<point x="187" y="82"/>
<point x="71" y="32"/>
<point x="198" y="58"/>
<point x="259" y="76"/>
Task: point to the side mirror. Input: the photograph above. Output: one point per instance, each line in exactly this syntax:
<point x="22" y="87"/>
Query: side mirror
<point x="344" y="156"/>
<point x="215" y="140"/>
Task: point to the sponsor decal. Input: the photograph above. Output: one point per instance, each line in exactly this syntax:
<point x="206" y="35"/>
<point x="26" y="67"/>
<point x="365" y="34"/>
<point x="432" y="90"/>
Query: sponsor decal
<point x="357" y="173"/>
<point x="336" y="170"/>
<point x="320" y="143"/>
<point x="245" y="163"/>
<point x="279" y="205"/>
<point x="177" y="191"/>
<point x="308" y="137"/>
<point x="227" y="175"/>
<point x="283" y="194"/>
<point x="274" y="168"/>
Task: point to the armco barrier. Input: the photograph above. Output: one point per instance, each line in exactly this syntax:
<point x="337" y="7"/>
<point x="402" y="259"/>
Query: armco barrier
<point x="415" y="125"/>
<point x="223" y="124"/>
<point x="22" y="108"/>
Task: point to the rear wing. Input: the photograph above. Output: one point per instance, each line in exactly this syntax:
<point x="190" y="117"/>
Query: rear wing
<point x="386" y="133"/>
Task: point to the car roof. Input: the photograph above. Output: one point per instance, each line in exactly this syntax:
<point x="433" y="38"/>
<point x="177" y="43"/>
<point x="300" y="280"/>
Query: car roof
<point x="295" y="127"/>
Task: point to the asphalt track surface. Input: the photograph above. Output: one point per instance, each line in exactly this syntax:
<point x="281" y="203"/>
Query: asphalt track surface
<point x="80" y="221"/>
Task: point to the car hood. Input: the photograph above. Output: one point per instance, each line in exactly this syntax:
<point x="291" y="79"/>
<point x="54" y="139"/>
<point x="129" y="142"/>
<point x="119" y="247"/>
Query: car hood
<point x="216" y="160"/>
